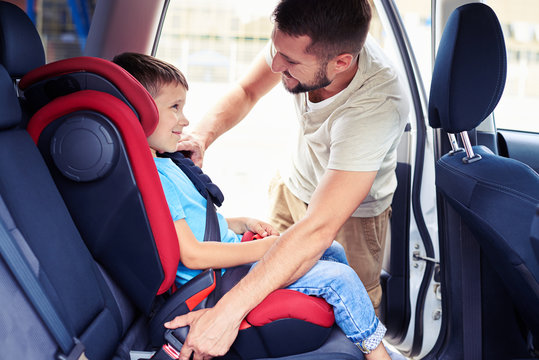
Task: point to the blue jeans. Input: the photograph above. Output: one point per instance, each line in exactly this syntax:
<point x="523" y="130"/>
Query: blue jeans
<point x="332" y="279"/>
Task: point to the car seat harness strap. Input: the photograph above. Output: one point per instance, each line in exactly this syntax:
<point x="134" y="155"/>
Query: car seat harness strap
<point x="213" y="195"/>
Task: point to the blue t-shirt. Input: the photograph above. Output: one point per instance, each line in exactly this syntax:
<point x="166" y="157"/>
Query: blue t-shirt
<point x="185" y="202"/>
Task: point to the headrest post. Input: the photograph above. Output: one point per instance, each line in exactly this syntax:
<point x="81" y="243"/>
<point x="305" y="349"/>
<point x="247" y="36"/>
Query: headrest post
<point x="455" y="147"/>
<point x="470" y="155"/>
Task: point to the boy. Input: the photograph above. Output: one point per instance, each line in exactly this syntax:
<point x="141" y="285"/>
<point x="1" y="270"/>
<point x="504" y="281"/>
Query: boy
<point x="331" y="278"/>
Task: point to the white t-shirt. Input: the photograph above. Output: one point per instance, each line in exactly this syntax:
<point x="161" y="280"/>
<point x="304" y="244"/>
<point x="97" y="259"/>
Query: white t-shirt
<point x="358" y="130"/>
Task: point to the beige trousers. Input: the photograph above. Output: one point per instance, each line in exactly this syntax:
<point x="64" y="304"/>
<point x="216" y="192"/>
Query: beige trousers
<point x="363" y="239"/>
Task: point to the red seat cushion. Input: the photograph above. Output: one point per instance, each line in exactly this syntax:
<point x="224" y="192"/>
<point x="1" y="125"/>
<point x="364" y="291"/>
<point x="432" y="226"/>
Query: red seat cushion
<point x="284" y="303"/>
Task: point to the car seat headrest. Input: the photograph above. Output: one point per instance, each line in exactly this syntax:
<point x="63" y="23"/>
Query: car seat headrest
<point x="62" y="77"/>
<point x="10" y="109"/>
<point x="21" y="49"/>
<point x="470" y="69"/>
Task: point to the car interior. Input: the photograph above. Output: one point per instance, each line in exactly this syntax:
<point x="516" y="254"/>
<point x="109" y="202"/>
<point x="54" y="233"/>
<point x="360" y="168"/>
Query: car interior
<point x="89" y="251"/>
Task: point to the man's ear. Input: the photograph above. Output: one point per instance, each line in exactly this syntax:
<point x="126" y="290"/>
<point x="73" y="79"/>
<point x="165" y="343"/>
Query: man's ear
<point x="342" y="62"/>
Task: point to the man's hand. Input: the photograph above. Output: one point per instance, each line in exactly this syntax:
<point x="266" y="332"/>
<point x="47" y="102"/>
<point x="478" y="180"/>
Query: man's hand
<point x="195" y="146"/>
<point x="211" y="333"/>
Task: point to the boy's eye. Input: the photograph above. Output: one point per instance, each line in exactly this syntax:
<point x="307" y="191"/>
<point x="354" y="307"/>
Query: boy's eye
<point x="175" y="106"/>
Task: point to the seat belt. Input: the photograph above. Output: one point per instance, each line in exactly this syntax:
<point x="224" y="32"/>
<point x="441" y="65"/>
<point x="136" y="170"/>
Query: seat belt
<point x="206" y="188"/>
<point x="28" y="281"/>
<point x="214" y="196"/>
<point x="170" y="350"/>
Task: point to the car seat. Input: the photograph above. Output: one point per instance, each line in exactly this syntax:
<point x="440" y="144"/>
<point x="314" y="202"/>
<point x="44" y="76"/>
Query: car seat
<point x="495" y="197"/>
<point x="61" y="118"/>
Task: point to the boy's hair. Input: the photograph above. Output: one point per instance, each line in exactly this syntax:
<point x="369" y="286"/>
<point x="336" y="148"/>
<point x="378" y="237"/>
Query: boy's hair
<point x="151" y="72"/>
<point x="334" y="26"/>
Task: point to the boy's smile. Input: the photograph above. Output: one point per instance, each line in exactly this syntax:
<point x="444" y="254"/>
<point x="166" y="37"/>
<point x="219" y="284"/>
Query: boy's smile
<point x="170" y="102"/>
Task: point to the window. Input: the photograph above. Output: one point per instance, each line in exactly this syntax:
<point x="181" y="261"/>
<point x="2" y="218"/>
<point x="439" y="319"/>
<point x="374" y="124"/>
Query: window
<point x="63" y="25"/>
<point x="517" y="109"/>
<point x="416" y="17"/>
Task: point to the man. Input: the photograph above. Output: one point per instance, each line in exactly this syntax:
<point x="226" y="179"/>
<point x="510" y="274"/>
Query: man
<point x="352" y="112"/>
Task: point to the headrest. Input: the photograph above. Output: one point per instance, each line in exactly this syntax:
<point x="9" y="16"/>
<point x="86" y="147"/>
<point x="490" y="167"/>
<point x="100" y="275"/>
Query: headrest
<point x="21" y="49"/>
<point x="10" y="110"/>
<point x="470" y="69"/>
<point x="134" y="92"/>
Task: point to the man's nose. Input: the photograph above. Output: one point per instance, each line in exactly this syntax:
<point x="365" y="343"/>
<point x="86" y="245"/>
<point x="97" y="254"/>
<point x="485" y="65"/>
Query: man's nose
<point x="278" y="64"/>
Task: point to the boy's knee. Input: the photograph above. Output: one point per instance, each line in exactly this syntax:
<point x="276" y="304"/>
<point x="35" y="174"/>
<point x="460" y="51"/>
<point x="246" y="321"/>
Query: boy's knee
<point x="335" y="253"/>
<point x="344" y="274"/>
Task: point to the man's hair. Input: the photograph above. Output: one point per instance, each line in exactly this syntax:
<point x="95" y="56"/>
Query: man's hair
<point x="334" y="26"/>
<point x="151" y="72"/>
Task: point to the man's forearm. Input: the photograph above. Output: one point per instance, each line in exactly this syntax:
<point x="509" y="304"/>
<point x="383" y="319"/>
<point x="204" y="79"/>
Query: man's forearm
<point x="287" y="260"/>
<point x="337" y="196"/>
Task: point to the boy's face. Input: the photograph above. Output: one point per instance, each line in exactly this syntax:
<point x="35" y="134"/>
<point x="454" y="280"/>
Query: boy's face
<point x="170" y="102"/>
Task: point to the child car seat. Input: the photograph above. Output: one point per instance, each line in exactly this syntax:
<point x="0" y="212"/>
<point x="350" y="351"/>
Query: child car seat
<point x="107" y="184"/>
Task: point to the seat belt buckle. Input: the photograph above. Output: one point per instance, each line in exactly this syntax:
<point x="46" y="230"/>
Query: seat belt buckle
<point x="141" y="355"/>
<point x="167" y="352"/>
<point x="77" y="353"/>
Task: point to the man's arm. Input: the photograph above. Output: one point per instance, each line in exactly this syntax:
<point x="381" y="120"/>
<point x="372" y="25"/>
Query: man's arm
<point x="338" y="194"/>
<point x="230" y="109"/>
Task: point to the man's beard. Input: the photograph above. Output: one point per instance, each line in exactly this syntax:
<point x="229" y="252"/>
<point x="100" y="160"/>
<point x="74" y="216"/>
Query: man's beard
<point x="321" y="80"/>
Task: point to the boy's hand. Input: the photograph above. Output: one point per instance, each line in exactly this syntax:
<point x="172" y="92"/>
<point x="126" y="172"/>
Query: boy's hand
<point x="260" y="227"/>
<point x="193" y="145"/>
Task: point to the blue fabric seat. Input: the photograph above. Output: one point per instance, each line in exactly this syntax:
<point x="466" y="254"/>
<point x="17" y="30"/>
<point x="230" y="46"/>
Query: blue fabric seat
<point x="495" y="196"/>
